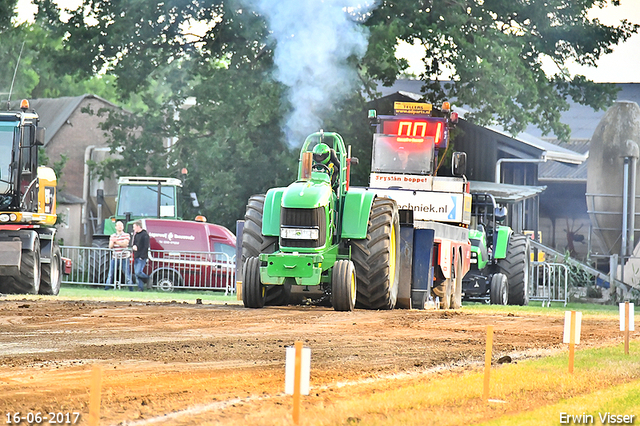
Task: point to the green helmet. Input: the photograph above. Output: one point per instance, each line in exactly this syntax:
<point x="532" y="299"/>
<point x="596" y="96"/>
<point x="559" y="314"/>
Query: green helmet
<point x="321" y="153"/>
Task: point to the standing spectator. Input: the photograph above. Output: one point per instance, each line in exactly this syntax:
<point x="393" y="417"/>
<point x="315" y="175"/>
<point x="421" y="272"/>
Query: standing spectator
<point x="119" y="243"/>
<point x="140" y="253"/>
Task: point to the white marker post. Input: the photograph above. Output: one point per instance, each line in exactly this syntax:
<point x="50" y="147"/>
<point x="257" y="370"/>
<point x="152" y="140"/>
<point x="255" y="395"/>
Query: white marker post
<point x="297" y="373"/>
<point x="626" y="323"/>
<point x="572" y="322"/>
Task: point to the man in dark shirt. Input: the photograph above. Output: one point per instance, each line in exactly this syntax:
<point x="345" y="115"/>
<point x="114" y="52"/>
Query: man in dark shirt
<point x="140" y="253"/>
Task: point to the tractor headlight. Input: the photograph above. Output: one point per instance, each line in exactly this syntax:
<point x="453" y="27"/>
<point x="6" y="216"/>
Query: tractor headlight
<point x="13" y="217"/>
<point x="299" y="233"/>
<point x="4" y="217"/>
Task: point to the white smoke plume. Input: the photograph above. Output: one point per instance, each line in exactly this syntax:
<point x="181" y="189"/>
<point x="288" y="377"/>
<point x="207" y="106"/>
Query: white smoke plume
<point x="314" y="39"/>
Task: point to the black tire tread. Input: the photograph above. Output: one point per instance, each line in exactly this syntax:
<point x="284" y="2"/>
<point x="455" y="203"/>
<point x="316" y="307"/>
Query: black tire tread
<point x="46" y="285"/>
<point x="371" y="258"/>
<point x="252" y="292"/>
<point x="495" y="291"/>
<point x="341" y="296"/>
<point x="516" y="267"/>
<point x="254" y="243"/>
<point x="25" y="283"/>
<point x="99" y="261"/>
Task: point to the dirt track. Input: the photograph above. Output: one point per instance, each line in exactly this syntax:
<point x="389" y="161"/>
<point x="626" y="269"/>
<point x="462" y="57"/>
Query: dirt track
<point x="160" y="358"/>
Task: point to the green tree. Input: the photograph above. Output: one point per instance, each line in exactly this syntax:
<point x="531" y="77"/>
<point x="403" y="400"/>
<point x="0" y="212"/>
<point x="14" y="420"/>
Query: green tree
<point x="231" y="139"/>
<point x="30" y="52"/>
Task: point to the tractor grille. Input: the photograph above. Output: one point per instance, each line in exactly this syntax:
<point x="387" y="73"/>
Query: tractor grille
<point x="304" y="218"/>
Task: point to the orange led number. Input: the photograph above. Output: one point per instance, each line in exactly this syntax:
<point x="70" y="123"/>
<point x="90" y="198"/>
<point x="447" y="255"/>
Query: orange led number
<point x="411" y="128"/>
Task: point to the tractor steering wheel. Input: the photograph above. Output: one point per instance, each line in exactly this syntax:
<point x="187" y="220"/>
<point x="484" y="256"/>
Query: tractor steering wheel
<point x="321" y="168"/>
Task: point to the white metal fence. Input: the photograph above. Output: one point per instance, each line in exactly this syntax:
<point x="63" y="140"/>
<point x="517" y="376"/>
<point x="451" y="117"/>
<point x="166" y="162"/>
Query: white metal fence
<point x="548" y="282"/>
<point x="167" y="270"/>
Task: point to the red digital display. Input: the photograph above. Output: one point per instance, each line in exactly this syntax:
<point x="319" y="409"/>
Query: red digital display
<point x="410" y="130"/>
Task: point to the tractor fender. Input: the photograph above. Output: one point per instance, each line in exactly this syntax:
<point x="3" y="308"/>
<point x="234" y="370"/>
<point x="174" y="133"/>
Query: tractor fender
<point x="501" y="242"/>
<point x="47" y="242"/>
<point x="30" y="239"/>
<point x="355" y="213"/>
<point x="271" y="212"/>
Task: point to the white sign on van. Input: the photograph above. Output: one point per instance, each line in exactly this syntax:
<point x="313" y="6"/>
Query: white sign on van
<point x="171" y="238"/>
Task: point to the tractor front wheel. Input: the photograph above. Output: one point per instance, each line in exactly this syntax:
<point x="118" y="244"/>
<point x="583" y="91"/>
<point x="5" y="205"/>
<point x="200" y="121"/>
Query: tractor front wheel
<point x="253" y="292"/>
<point x="499" y="291"/>
<point x="254" y="243"/>
<point x="343" y="286"/>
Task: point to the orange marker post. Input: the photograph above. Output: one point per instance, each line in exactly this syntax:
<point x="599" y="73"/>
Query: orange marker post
<point x="626" y="328"/>
<point x="297" y="377"/>
<point x="94" y="398"/>
<point x="572" y="326"/>
<point x="487" y="362"/>
<point x="626" y="323"/>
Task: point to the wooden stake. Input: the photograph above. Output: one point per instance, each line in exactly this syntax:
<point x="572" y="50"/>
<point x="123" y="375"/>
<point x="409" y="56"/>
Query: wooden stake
<point x="94" y="398"/>
<point x="487" y="362"/>
<point x="626" y="328"/>
<point x="297" y="378"/>
<point x="572" y="340"/>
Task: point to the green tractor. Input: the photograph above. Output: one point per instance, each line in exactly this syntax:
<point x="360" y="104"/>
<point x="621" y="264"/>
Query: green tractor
<point x="320" y="236"/>
<point x="500" y="258"/>
<point x="139" y="197"/>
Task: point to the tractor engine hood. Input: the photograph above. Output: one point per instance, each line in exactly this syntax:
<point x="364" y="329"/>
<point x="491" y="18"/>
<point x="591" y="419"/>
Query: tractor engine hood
<point x="307" y="194"/>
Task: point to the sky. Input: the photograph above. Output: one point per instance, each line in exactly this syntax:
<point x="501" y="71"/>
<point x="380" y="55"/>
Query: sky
<point x="621" y="66"/>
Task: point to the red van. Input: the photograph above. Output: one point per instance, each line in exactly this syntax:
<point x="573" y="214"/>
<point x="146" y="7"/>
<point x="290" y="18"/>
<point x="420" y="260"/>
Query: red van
<point x="187" y="254"/>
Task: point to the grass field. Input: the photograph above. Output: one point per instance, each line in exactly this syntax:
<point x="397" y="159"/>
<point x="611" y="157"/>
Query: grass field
<point x="531" y="392"/>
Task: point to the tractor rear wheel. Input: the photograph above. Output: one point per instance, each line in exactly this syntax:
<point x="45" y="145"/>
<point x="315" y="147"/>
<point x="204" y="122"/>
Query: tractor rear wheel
<point x="51" y="276"/>
<point x="343" y="286"/>
<point x="499" y="291"/>
<point x="376" y="258"/>
<point x="99" y="257"/>
<point x="516" y="267"/>
<point x="253" y="292"/>
<point x="254" y="243"/>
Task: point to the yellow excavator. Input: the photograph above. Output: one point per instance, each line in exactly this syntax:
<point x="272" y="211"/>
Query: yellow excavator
<point x="30" y="258"/>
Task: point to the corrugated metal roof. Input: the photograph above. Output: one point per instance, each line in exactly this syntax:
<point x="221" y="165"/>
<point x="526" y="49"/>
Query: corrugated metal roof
<point x="506" y="193"/>
<point x="555" y="171"/>
<point x="547" y="149"/>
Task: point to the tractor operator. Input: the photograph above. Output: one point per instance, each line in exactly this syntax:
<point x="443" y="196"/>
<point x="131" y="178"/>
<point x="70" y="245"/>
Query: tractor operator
<point x="326" y="156"/>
